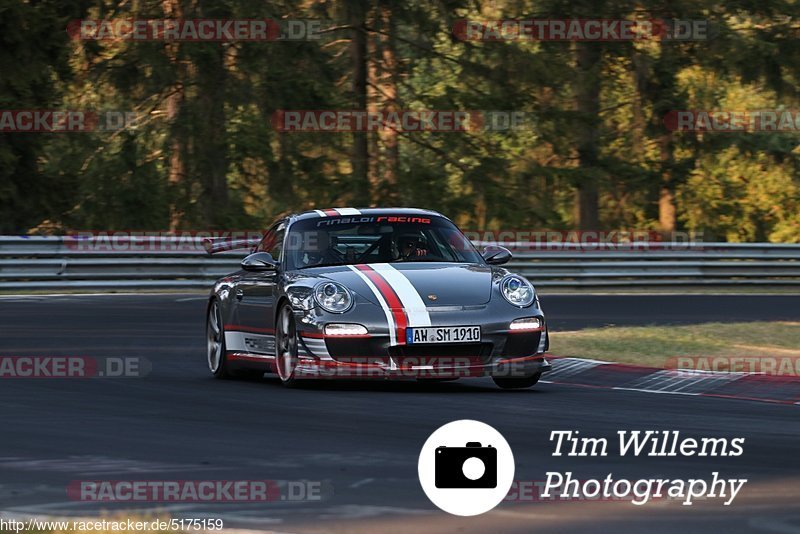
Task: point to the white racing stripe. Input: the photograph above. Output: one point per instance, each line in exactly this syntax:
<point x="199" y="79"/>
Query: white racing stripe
<point x="321" y="213"/>
<point x="347" y="211"/>
<point x="385" y="307"/>
<point x="415" y="308"/>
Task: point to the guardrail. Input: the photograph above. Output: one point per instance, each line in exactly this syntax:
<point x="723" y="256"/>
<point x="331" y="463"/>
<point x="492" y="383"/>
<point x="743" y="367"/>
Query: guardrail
<point x="28" y="263"/>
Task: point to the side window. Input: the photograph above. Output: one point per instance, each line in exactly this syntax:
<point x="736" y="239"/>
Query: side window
<point x="277" y="246"/>
<point x="266" y="242"/>
<point x="273" y="241"/>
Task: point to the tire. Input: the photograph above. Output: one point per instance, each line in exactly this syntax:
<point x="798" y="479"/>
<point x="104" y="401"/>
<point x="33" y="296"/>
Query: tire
<point x="286" y="346"/>
<point x="215" y="342"/>
<point x="516" y="383"/>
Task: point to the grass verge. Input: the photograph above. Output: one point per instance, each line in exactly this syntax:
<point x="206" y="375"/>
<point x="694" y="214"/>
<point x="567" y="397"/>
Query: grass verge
<point x="657" y="346"/>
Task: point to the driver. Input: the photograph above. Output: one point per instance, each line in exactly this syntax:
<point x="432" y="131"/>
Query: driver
<point x="411" y="245"/>
<point x="318" y="249"/>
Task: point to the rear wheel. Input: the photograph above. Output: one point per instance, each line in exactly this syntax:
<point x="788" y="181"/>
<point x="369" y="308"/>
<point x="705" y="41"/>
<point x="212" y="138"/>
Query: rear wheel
<point x="216" y="350"/>
<point x="515" y="382"/>
<point x="286" y="347"/>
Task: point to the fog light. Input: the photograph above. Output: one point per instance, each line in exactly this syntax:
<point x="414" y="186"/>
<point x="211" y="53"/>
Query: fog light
<point x="528" y="323"/>
<point x="344" y="329"/>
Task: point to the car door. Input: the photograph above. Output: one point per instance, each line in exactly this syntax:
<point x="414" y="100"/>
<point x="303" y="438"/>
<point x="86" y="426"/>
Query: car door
<point x="256" y="293"/>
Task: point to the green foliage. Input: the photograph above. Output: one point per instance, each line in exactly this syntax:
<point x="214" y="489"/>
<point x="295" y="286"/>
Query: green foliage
<point x="743" y="197"/>
<point x="208" y="106"/>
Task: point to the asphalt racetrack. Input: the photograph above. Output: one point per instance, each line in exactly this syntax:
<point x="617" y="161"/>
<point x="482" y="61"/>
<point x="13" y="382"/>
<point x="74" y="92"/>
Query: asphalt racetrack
<point x="363" y="439"/>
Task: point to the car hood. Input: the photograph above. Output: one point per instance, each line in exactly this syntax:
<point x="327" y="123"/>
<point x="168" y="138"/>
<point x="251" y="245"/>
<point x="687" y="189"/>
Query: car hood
<point x="438" y="284"/>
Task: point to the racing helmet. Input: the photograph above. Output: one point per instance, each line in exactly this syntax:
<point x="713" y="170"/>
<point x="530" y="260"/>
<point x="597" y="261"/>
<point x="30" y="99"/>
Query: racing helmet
<point x="410" y="241"/>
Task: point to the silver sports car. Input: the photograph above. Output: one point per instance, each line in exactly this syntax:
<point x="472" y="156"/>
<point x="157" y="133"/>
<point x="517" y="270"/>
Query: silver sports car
<point x="374" y="293"/>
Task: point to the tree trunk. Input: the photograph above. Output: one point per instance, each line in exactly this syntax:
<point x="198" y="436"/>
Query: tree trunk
<point x="388" y="191"/>
<point x="210" y="145"/>
<point x="177" y="167"/>
<point x="664" y="101"/>
<point x="587" y="103"/>
<point x="666" y="194"/>
<point x="357" y="12"/>
<point x="209" y="128"/>
<point x="174" y="103"/>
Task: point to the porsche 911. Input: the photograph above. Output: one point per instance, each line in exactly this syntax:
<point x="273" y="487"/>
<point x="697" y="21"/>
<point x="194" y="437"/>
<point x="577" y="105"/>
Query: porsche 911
<point x="388" y="293"/>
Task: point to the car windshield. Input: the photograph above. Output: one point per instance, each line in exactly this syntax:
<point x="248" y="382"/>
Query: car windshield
<point x="376" y="239"/>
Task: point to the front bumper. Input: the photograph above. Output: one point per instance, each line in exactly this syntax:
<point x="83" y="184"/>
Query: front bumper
<point x="501" y="352"/>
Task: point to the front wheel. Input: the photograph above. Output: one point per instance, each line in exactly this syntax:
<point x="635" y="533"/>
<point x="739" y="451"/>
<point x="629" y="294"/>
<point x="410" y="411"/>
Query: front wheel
<point x="215" y="342"/>
<point x="516" y="383"/>
<point x="286" y="347"/>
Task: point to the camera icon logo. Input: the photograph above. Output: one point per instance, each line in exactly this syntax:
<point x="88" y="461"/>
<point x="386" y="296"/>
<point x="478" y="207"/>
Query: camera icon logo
<point x="466" y="467"/>
<point x="472" y="466"/>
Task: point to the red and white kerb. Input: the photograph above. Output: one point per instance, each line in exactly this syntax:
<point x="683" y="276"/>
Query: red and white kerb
<point x="397" y="297"/>
<point x="337" y="212"/>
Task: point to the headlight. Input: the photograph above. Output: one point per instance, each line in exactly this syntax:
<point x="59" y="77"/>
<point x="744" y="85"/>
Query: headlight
<point x="517" y="291"/>
<point x="333" y="297"/>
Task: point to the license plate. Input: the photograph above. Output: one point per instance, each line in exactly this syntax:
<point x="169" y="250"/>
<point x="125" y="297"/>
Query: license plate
<point x="443" y="334"/>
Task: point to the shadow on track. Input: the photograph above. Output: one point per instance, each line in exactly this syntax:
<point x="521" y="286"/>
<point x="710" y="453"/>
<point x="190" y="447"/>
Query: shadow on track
<point x="387" y="386"/>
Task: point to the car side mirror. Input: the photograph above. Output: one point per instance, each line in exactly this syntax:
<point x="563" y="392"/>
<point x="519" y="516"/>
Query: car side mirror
<point x="495" y="255"/>
<point x="259" y="261"/>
